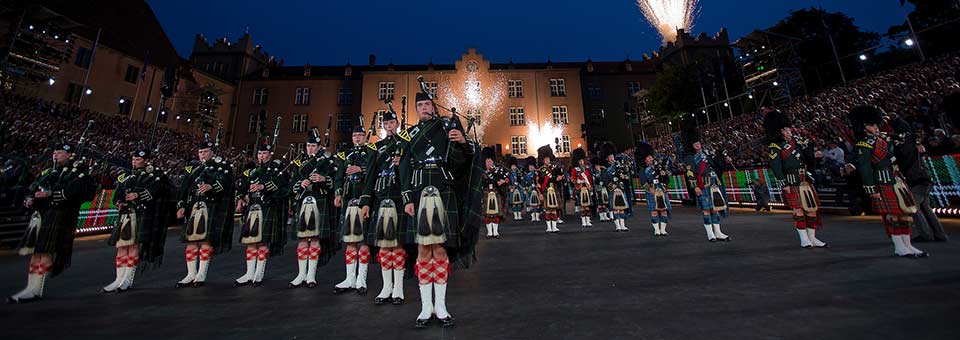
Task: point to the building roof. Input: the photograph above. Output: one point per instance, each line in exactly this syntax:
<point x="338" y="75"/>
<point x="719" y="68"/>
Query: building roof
<point x="128" y="26"/>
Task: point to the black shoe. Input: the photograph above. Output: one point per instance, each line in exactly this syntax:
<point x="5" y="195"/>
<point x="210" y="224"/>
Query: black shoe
<point x="397" y="301"/>
<point x="19" y="301"/>
<point x="825" y="245"/>
<point x="183" y="285"/>
<point x="257" y="283"/>
<point x="311" y="285"/>
<point x="338" y="290"/>
<point x="496" y="236"/>
<point x="712" y="240"/>
<point x="199" y="284"/>
<point x="922" y="254"/>
<point x="448" y="322"/>
<point x="362" y="290"/>
<point x="422" y="323"/>
<point x="725" y="239"/>
<point x="241" y="284"/>
<point x="806" y="247"/>
<point x="382" y="301"/>
<point x="291" y="285"/>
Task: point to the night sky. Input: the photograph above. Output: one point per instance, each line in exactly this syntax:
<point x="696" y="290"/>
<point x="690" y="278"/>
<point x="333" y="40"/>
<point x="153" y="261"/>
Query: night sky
<point x="411" y="32"/>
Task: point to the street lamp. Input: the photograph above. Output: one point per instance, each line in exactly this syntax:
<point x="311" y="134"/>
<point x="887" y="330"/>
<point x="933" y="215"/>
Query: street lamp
<point x="908" y="42"/>
<point x="51" y="81"/>
<point x="863" y="57"/>
<point x="776" y="83"/>
<point x="89" y="91"/>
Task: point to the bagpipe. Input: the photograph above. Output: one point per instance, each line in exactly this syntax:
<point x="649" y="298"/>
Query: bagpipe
<point x="56" y="178"/>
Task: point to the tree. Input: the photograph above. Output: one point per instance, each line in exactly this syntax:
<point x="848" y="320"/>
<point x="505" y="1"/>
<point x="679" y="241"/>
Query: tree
<point x="818" y="64"/>
<point x="936" y="24"/>
<point x="675" y="93"/>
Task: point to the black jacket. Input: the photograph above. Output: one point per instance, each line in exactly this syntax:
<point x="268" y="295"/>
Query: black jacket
<point x="910" y="163"/>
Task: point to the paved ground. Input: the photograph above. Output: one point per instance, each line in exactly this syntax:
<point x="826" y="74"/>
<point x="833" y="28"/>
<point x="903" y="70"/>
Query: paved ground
<point x="581" y="283"/>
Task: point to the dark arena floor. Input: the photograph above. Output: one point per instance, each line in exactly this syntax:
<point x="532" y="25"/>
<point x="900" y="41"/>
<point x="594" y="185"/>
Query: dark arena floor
<point x="581" y="283"/>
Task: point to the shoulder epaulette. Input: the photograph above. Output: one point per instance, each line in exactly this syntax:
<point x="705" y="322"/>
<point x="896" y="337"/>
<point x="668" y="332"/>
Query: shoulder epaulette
<point x="121" y="178"/>
<point x="775" y="146"/>
<point x="865" y="144"/>
<point x="189" y="168"/>
<point x="342" y="155"/>
<point x="372" y="146"/>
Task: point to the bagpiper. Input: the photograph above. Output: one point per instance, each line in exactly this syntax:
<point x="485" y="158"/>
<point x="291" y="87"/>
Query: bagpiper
<point x="789" y="156"/>
<point x="55" y="203"/>
<point x="582" y="180"/>
<point x="600" y="189"/>
<point x="140" y="234"/>
<point x="207" y="190"/>
<point x="494" y="178"/>
<point x="654" y="180"/>
<point x="517" y="197"/>
<point x="889" y="195"/>
<point x="440" y="175"/>
<point x="617" y="178"/>
<point x="314" y="214"/>
<point x="264" y="201"/>
<point x="351" y="174"/>
<point x="703" y="175"/>
<point x="550" y="186"/>
<point x="380" y="202"/>
<point x="531" y="184"/>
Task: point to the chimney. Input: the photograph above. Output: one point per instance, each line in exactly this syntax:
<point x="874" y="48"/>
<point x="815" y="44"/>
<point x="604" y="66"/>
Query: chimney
<point x="373" y="59"/>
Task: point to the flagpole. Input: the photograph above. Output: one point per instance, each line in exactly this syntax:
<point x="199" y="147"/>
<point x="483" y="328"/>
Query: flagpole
<point x="832" y="46"/>
<point x="913" y="34"/>
<point x="86" y="77"/>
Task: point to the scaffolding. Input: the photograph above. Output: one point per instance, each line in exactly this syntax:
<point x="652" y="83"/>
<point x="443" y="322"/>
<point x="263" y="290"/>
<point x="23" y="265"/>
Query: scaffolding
<point x="771" y="67"/>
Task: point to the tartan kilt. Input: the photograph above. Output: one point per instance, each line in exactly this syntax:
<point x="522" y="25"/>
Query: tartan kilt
<point x="887" y="202"/>
<point x="143" y="232"/>
<point x="792" y="199"/>
<point x="273" y="227"/>
<point x="220" y="225"/>
<point x="56" y="236"/>
<point x="452" y="229"/>
<point x="651" y="201"/>
<point x="325" y="220"/>
<point x="406" y="234"/>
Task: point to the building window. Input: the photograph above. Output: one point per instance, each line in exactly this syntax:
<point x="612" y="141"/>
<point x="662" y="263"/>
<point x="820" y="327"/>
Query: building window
<point x="300" y="123"/>
<point x="518" y="144"/>
<point x="255" y="121"/>
<point x="345" y="96"/>
<point x="133" y="73"/>
<point x="516" y="116"/>
<point x="83" y="58"/>
<point x="386" y="90"/>
<point x="74" y="91"/>
<point x="565" y="144"/>
<point x="260" y="96"/>
<point x="515" y="88"/>
<point x="558" y="87"/>
<point x="597" y="114"/>
<point x="559" y="114"/>
<point x="125" y="106"/>
<point x="593" y="91"/>
<point x="633" y="87"/>
<point x="303" y="96"/>
<point x="344" y="122"/>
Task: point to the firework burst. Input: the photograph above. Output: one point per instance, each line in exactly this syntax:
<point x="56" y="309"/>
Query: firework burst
<point x="666" y="16"/>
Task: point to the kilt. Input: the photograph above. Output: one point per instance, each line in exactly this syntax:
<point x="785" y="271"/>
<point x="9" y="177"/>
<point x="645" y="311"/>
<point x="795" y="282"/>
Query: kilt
<point x="651" y="201"/>
<point x="451" y="231"/>
<point x="220" y="225"/>
<point x="406" y="234"/>
<point x="324" y="222"/>
<point x="140" y="237"/>
<point x="56" y="236"/>
<point x="705" y="201"/>
<point x="533" y="194"/>
<point x="517" y="194"/>
<point x="887" y="202"/>
<point x="273" y="227"/>
<point x="792" y="199"/>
